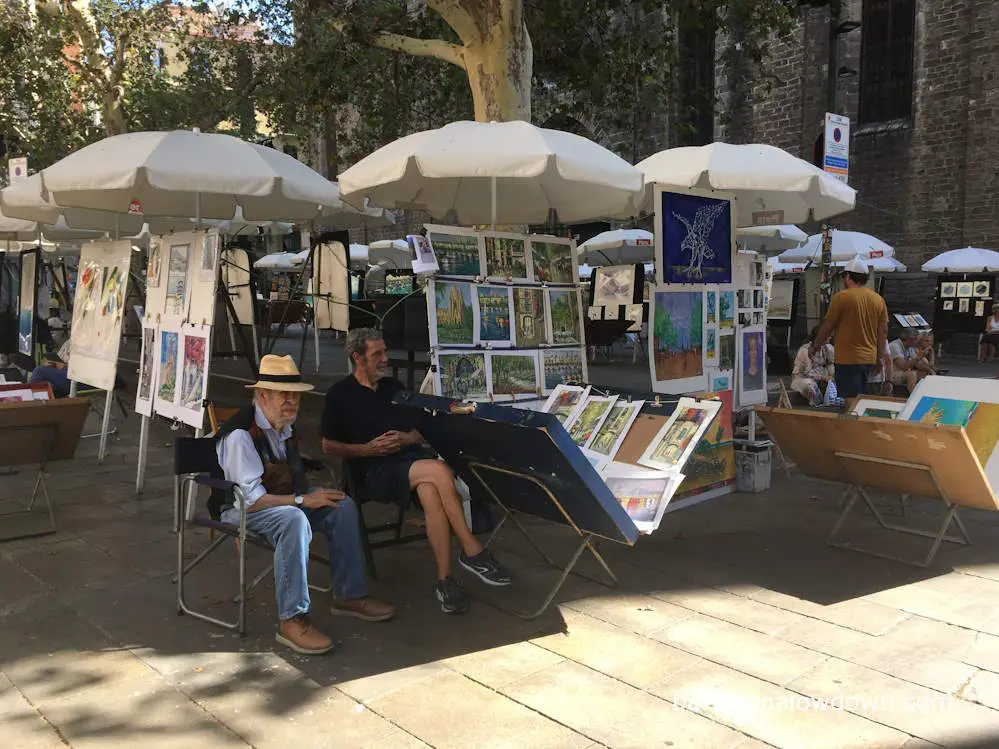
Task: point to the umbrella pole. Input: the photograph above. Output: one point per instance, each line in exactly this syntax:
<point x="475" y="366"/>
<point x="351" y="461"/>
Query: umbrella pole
<point x="493" y="195"/>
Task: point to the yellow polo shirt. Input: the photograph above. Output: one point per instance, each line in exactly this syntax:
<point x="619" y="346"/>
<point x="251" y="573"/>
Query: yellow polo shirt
<point x="856" y="315"/>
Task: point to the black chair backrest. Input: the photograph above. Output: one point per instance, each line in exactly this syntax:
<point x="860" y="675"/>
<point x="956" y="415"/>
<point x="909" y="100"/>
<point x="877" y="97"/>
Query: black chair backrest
<point x="195" y="455"/>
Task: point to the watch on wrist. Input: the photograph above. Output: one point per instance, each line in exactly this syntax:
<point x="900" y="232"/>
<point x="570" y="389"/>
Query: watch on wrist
<point x="299" y="499"/>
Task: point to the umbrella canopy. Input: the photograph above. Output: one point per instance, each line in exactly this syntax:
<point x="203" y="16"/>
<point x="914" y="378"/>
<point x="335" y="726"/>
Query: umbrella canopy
<point x="394" y="252"/>
<point x="25" y="200"/>
<point x="239" y="225"/>
<point x="358" y="256"/>
<point x="968" y="260"/>
<point x="283" y="260"/>
<point x="618" y="247"/>
<point x="763" y="178"/>
<point x="776" y="266"/>
<point x="14" y="230"/>
<point x="346" y="216"/>
<point x="846" y="245"/>
<point x="498" y="173"/>
<point x="771" y="239"/>
<point x="188" y="173"/>
<point x="878" y="264"/>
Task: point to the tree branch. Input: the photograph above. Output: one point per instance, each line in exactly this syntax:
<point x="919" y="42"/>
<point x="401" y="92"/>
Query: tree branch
<point x="458" y="18"/>
<point x="436" y="48"/>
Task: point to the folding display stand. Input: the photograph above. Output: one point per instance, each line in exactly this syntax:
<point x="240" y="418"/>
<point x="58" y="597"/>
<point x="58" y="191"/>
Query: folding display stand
<point x="40" y="432"/>
<point x="905" y="457"/>
<point x="540" y="473"/>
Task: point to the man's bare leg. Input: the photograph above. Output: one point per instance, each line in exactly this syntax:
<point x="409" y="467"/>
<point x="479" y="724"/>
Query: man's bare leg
<point x="437" y="474"/>
<point x="438" y="529"/>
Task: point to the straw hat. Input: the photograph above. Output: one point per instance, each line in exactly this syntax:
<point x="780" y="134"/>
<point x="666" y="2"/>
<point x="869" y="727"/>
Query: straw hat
<point x="279" y="373"/>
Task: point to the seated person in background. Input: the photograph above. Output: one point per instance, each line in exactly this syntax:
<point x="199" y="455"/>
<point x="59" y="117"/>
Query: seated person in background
<point x="813" y="375"/>
<point x="361" y="424"/>
<point x="987" y="350"/>
<point x="258" y="449"/>
<point x="926" y="352"/>
<point x="908" y="367"/>
<point x="880" y="382"/>
<point x="53" y="371"/>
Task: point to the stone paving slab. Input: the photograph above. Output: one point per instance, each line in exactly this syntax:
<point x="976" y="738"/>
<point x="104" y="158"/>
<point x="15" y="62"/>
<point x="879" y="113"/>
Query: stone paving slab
<point x="734" y="601"/>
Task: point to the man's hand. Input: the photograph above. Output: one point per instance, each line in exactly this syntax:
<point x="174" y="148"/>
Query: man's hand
<point x="385" y="444"/>
<point x="886" y="365"/>
<point x="320" y="498"/>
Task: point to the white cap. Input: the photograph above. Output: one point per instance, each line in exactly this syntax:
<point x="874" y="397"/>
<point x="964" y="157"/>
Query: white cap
<point x="857" y="265"/>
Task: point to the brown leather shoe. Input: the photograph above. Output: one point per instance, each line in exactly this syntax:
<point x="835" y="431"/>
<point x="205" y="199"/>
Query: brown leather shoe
<point x="367" y="609"/>
<point x="299" y="634"/>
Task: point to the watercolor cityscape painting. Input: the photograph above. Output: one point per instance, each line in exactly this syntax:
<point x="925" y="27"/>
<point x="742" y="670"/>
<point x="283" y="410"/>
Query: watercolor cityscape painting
<point x="677" y="334"/>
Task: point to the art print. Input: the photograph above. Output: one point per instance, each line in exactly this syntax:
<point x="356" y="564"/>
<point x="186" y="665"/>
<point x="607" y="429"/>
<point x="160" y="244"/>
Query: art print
<point x="552" y="261"/>
<point x="676" y="341"/>
<point x="712" y="463"/>
<point x="711" y="307"/>
<point x="948" y="305"/>
<point x="453" y="311"/>
<point x="710" y="346"/>
<point x="513" y="374"/>
<point x="585" y="424"/>
<point x="424" y="260"/>
<point x="612" y="433"/>
<point x="614" y="286"/>
<point x="965" y="288"/>
<point x="506" y="257"/>
<point x="566" y="401"/>
<point x="745" y="298"/>
<point x="612" y="313"/>
<point x="644" y="494"/>
<point x="983" y="289"/>
<point x="154" y="263"/>
<point x="458" y="251"/>
<point x="495" y="315"/>
<point x="177" y="280"/>
<point x="721" y="382"/>
<point x="948" y="288"/>
<point x="979" y="309"/>
<point x="563" y="308"/>
<point x="963" y="305"/>
<point x="208" y="268"/>
<point x="943" y="411"/>
<point x="594" y="313"/>
<point x="26" y="303"/>
<point x="194" y="370"/>
<point x="753" y="353"/>
<point x="635" y="313"/>
<point x="530" y="324"/>
<point x="781" y="306"/>
<point x="878" y="408"/>
<point x="696" y="234"/>
<point x="167" y="374"/>
<point x="758" y="299"/>
<point x="726" y="309"/>
<point x="676" y="440"/>
<point x="562" y="366"/>
<point x="147" y="372"/>
<point x="462" y="375"/>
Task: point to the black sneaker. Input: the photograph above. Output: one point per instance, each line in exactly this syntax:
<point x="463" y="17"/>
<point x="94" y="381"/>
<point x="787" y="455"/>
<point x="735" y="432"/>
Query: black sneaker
<point x="451" y="596"/>
<point x="484" y="565"/>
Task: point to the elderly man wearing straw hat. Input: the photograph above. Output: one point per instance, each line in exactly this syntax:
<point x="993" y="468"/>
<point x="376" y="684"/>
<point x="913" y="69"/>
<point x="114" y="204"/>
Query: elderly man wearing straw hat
<point x="258" y="450"/>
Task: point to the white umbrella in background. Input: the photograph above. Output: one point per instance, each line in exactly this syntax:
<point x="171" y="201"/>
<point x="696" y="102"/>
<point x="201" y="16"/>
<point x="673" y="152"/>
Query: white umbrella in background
<point x="776" y="266"/>
<point x="358" y="256"/>
<point x="764" y="179"/>
<point x="878" y="264"/>
<point x="967" y="260"/>
<point x="188" y="173"/>
<point x="394" y="252"/>
<point x="25" y="200"/>
<point x="346" y="216"/>
<point x="769" y="240"/>
<point x="618" y="247"/>
<point x="496" y="173"/>
<point x="846" y="245"/>
<point x="283" y="261"/>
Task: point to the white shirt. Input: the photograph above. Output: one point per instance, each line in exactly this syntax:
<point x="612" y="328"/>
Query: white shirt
<point x="240" y="460"/>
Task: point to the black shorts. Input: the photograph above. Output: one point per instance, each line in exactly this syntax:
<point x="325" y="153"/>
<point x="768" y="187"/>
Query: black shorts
<point x="386" y="479"/>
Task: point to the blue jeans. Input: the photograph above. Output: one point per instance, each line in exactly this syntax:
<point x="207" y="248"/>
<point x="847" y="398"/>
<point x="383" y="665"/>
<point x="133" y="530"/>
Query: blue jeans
<point x="289" y="531"/>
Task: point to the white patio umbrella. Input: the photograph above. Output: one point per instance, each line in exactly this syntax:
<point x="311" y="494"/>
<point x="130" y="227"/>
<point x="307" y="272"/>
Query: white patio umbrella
<point x="283" y="260"/>
<point x="25" y="200"/>
<point x="967" y="260"/>
<point x="191" y="174"/>
<point x="239" y="225"/>
<point x="618" y="247"/>
<point x="845" y="246"/>
<point x="776" y="266"/>
<point x="496" y="173"/>
<point x="878" y="264"/>
<point x="345" y="216"/>
<point x="359" y="256"/>
<point x="395" y="252"/>
<point x="770" y="239"/>
<point x="763" y="178"/>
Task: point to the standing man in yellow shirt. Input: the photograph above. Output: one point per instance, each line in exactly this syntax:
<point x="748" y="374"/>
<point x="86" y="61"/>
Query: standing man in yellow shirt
<point x="859" y="317"/>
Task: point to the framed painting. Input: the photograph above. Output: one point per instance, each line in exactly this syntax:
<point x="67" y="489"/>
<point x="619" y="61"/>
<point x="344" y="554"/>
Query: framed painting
<point x="564" y="313"/>
<point x="553" y="260"/>
<point x="507" y="257"/>
<point x="614" y="286"/>
<point x="462" y="375"/>
<point x="562" y="366"/>
<point x="452" y="309"/>
<point x="494" y="321"/>
<point x="530" y="328"/>
<point x="752" y="358"/>
<point x="695" y="236"/>
<point x="673" y="444"/>
<point x="26" y="302"/>
<point x="676" y="341"/>
<point x="459" y="251"/>
<point x="513" y="374"/>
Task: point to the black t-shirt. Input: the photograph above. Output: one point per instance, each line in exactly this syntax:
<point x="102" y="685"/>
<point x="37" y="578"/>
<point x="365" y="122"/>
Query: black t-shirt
<point x="355" y="414"/>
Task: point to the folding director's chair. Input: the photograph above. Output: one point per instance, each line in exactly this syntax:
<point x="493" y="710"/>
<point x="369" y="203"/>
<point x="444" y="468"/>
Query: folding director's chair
<point x="195" y="462"/>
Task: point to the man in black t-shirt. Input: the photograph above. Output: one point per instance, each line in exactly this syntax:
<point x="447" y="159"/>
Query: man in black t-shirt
<point x="360" y="423"/>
